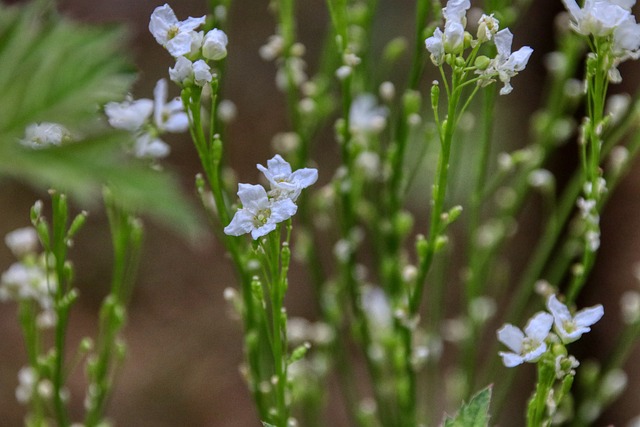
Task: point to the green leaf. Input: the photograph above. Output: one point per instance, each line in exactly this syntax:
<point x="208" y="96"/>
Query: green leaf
<point x="84" y="167"/>
<point x="472" y="414"/>
<point x="55" y="70"/>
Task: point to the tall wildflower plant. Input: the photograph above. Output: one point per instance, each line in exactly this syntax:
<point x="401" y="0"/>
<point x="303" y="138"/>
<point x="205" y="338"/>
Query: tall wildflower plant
<point x="384" y="275"/>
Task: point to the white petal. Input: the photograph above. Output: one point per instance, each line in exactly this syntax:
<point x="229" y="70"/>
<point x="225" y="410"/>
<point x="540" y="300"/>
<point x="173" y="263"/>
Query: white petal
<point x="305" y="177"/>
<point x="253" y="197"/>
<point x="535" y="354"/>
<point x="539" y="326"/>
<point x="176" y="123"/>
<point x="278" y="166"/>
<point x="588" y="316"/>
<point x="179" y="45"/>
<point x="191" y="23"/>
<point x="282" y="210"/>
<point x="161" y="20"/>
<point x="503" y="40"/>
<point x="262" y="231"/>
<point x="511" y="359"/>
<point x="511" y="336"/>
<point x="242" y="223"/>
<point x="560" y="311"/>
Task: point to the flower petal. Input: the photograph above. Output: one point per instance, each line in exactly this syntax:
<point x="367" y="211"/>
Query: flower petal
<point x="253" y="197"/>
<point x="588" y="316"/>
<point x="511" y="359"/>
<point x="242" y="223"/>
<point x="539" y="326"/>
<point x="511" y="336"/>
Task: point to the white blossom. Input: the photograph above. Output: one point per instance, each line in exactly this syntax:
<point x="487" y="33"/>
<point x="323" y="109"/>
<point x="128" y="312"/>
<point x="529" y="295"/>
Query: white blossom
<point x="365" y="116"/>
<point x="569" y="328"/>
<point x="527" y="346"/>
<point x="377" y="308"/>
<point x="487" y="27"/>
<point x="286" y="184"/>
<point x="22" y="241"/>
<point x="45" y="134"/>
<point x="174" y="35"/>
<point x="435" y="46"/>
<point x="598" y="17"/>
<point x="129" y="115"/>
<point x="214" y="45"/>
<point x="147" y="146"/>
<point x="507" y="64"/>
<point x="452" y="39"/>
<point x="168" y="116"/>
<point x="27" y="381"/>
<point x="186" y="72"/>
<point x="259" y="214"/>
<point x="27" y="282"/>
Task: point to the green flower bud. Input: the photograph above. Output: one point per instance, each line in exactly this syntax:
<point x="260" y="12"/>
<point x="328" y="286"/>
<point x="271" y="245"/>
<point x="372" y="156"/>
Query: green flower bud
<point x="482" y="62"/>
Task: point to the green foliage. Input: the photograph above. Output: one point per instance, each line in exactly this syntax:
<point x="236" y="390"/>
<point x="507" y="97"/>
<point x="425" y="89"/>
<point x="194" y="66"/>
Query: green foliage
<point x="473" y="414"/>
<point x="55" y="70"/>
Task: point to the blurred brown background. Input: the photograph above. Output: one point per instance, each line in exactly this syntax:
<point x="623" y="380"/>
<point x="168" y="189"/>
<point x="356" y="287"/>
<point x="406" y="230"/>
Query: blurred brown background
<point x="183" y="348"/>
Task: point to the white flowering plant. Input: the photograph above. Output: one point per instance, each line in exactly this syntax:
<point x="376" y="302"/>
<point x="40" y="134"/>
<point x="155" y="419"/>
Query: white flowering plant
<point x="406" y="241"/>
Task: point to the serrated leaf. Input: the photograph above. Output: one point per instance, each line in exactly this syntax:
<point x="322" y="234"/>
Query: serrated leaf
<point x="82" y="168"/>
<point x="472" y="414"/>
<point x="55" y="70"/>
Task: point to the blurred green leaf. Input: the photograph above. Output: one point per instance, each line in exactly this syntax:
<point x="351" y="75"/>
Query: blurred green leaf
<point x="473" y="414"/>
<point x="58" y="71"/>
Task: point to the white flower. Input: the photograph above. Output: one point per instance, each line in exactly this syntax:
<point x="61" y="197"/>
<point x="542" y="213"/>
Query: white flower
<point x="435" y="46"/>
<point x="27" y="282"/>
<point x="452" y="39"/>
<point x="598" y="17"/>
<point x="129" y="115"/>
<point x="365" y="116"/>
<point x="182" y="72"/>
<point x="527" y="346"/>
<point x="214" y="45"/>
<point x="286" y="184"/>
<point x="149" y="147"/>
<point x="27" y="380"/>
<point x="377" y="309"/>
<point x="45" y="134"/>
<point x="22" y="241"/>
<point x="174" y="35"/>
<point x="186" y="72"/>
<point x="487" y="27"/>
<point x="507" y="64"/>
<point x="168" y="116"/>
<point x="259" y="214"/>
<point x="202" y="73"/>
<point x="570" y="328"/>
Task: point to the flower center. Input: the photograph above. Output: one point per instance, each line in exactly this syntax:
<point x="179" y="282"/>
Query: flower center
<point x="261" y="217"/>
<point x="172" y="32"/>
<point x="528" y="345"/>
<point x="569" y="326"/>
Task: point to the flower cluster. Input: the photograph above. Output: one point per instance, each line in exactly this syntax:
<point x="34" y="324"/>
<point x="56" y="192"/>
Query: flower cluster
<point x="191" y="48"/>
<point x="27" y="279"/>
<point x="45" y="134"/>
<point x="612" y="20"/>
<point x="262" y="211"/>
<point x="530" y="345"/>
<point x="147" y="119"/>
<point x="446" y="45"/>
